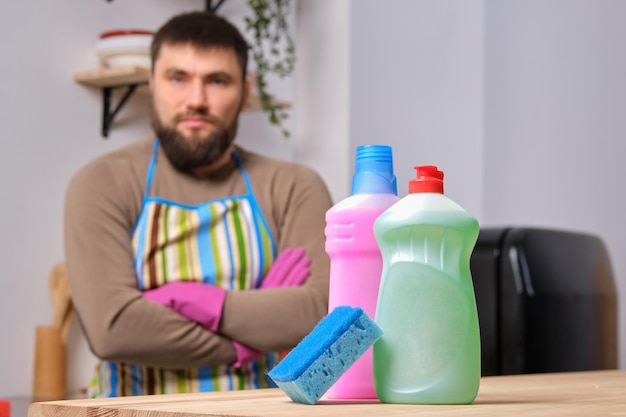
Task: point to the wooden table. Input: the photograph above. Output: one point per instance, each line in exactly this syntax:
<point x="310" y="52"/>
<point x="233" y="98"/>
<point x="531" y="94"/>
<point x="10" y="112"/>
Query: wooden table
<point x="594" y="393"/>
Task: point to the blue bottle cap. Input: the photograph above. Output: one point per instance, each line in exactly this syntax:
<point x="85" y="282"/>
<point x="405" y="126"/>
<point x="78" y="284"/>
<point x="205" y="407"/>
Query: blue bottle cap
<point x="373" y="173"/>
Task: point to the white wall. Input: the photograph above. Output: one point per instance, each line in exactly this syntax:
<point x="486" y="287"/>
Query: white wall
<point x="555" y="125"/>
<point x="416" y="84"/>
<point x="520" y="102"/>
<point x="322" y="91"/>
<point x="482" y="88"/>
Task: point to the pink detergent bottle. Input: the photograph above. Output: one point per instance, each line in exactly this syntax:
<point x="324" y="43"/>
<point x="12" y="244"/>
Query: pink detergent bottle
<point x="355" y="259"/>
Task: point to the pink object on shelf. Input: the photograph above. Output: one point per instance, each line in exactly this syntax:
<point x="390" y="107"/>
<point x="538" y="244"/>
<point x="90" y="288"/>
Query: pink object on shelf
<point x="124" y="32"/>
<point x="125" y="48"/>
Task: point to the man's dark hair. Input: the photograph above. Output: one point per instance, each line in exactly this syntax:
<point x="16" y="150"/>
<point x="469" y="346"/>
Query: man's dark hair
<point x="202" y="30"/>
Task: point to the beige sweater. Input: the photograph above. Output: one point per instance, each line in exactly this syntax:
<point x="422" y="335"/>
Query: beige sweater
<point x="103" y="203"/>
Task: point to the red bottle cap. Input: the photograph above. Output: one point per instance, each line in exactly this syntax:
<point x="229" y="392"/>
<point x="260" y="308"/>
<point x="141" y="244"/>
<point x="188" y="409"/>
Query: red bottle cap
<point x="5" y="408"/>
<point x="429" y="180"/>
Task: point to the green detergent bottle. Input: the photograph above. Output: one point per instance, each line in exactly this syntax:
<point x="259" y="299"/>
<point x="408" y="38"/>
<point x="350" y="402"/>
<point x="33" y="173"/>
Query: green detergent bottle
<point x="430" y="350"/>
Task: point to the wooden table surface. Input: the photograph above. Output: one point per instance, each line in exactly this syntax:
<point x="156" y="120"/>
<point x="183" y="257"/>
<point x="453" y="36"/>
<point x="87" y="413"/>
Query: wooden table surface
<point x="593" y="393"/>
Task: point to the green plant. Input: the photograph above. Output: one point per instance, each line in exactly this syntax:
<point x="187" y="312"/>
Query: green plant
<point x="272" y="50"/>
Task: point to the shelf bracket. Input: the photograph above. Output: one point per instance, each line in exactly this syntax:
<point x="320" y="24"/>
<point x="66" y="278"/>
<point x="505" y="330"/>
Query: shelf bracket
<point x="209" y="5"/>
<point x="107" y="114"/>
<point x="211" y="8"/>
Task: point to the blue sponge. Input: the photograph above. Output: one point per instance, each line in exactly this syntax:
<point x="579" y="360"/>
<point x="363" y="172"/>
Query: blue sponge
<point x="317" y="362"/>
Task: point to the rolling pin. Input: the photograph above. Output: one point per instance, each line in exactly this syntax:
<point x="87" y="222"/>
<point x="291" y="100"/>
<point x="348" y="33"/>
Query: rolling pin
<point x="50" y="368"/>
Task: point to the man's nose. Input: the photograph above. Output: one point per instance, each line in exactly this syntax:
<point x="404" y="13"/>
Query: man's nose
<point x="197" y="95"/>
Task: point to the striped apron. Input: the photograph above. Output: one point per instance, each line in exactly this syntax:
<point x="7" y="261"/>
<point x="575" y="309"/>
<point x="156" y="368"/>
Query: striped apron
<point x="224" y="242"/>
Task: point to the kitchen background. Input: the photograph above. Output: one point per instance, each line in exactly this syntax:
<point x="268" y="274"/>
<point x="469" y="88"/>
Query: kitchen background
<point x="521" y="102"/>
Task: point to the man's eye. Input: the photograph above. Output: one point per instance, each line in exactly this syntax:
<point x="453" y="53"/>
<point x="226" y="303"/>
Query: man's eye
<point x="177" y="79"/>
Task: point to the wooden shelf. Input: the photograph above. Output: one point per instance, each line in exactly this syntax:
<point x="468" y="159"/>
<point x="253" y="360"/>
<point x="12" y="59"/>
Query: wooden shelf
<point x="113" y="77"/>
<point x="254" y="104"/>
<point x="132" y="78"/>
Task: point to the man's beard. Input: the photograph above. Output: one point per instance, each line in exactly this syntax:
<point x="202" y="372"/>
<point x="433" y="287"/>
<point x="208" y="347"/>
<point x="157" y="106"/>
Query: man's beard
<point x="188" y="154"/>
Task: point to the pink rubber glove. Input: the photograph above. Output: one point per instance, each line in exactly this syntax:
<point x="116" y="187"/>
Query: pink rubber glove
<point x="196" y="301"/>
<point x="245" y="354"/>
<point x="290" y="269"/>
<point x="203" y="304"/>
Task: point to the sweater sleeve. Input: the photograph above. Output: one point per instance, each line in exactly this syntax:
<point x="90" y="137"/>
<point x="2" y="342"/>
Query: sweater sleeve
<point x="277" y="319"/>
<point x="119" y="324"/>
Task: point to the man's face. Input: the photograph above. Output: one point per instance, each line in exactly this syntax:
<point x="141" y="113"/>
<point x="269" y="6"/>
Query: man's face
<point x="197" y="95"/>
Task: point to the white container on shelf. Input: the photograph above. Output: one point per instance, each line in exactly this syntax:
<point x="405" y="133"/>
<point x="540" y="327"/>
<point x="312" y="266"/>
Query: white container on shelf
<point x="125" y="48"/>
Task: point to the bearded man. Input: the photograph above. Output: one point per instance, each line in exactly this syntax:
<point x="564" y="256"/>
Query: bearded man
<point x="192" y="262"/>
